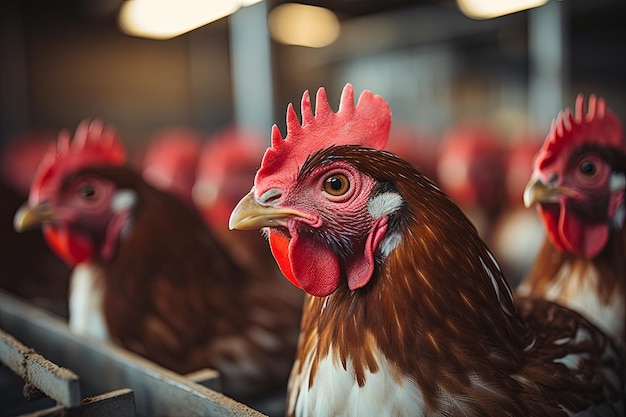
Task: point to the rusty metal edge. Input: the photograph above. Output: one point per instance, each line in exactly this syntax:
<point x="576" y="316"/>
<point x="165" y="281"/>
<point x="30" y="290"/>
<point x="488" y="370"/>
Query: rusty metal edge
<point x="119" y="403"/>
<point x="60" y="384"/>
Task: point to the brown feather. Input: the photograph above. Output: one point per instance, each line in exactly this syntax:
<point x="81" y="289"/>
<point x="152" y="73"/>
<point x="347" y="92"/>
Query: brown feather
<point x="173" y="294"/>
<point x="440" y="310"/>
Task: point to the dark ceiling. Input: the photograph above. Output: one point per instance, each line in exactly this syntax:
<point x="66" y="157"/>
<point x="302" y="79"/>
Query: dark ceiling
<point x="122" y="76"/>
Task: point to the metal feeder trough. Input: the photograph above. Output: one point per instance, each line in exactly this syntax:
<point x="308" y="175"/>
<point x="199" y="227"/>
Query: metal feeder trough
<point x="86" y="377"/>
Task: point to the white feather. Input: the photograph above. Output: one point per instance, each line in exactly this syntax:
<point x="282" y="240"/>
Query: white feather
<point x="85" y="302"/>
<point x="384" y="204"/>
<point x="335" y="391"/>
<point x="577" y="288"/>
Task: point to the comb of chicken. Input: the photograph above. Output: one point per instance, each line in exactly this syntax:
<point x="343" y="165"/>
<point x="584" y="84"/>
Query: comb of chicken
<point x="577" y="184"/>
<point x="150" y="276"/>
<point x="407" y="312"/>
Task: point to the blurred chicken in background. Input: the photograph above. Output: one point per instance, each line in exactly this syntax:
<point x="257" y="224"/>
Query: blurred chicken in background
<point x="169" y="160"/>
<point x="150" y="276"/>
<point x="517" y="233"/>
<point x="470" y="170"/>
<point x="226" y="167"/>
<point x="211" y="173"/>
<point x="416" y="146"/>
<point x="578" y="184"/>
<point x="29" y="269"/>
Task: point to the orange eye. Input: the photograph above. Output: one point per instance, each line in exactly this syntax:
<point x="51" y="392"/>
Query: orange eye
<point x="336" y="184"/>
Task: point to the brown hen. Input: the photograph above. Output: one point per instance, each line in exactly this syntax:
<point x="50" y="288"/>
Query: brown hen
<point x="408" y="313"/>
<point x="149" y="275"/>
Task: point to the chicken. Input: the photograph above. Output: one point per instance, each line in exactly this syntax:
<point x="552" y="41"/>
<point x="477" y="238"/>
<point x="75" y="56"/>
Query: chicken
<point x="416" y="146"/>
<point x="169" y="161"/>
<point x="407" y="312"/>
<point x="470" y="169"/>
<point x="577" y="185"/>
<point x="227" y="162"/>
<point x="149" y="275"/>
<point x="517" y="233"/>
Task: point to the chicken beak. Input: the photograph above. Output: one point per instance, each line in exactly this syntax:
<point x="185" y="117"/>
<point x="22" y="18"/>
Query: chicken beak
<point x="537" y="191"/>
<point x="250" y="214"/>
<point x="28" y="217"/>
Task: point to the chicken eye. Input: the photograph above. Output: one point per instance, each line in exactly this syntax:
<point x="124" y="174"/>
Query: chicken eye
<point x="588" y="168"/>
<point x="336" y="184"/>
<point x="87" y="192"/>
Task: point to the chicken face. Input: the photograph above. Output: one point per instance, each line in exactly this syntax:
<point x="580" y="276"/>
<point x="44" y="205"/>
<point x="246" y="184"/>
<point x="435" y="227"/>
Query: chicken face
<point x="578" y="180"/>
<point x="300" y="189"/>
<point x="578" y="206"/>
<point x="83" y="220"/>
<point x="77" y="212"/>
<point x="330" y="211"/>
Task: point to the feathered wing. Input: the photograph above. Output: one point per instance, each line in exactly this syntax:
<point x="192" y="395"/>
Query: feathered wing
<point x="574" y="360"/>
<point x="174" y="295"/>
<point x="532" y="359"/>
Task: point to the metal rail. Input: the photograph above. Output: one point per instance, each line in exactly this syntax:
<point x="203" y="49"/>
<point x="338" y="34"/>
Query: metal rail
<point x="103" y="368"/>
<point x="118" y="403"/>
<point x="57" y="383"/>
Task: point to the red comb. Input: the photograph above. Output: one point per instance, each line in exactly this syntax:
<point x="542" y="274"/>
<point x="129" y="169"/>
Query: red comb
<point x="599" y="126"/>
<point x="94" y="144"/>
<point x="366" y="124"/>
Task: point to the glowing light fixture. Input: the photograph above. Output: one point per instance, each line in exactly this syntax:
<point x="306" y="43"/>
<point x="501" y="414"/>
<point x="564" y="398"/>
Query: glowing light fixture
<point x="299" y="24"/>
<point x="164" y="19"/>
<point x="487" y="9"/>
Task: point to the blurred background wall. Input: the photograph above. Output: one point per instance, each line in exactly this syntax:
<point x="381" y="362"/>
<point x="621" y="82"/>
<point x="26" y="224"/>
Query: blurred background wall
<point x="64" y="60"/>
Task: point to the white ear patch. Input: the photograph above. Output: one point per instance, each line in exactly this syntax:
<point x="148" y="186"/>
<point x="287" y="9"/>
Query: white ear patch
<point x="384" y="204"/>
<point x="123" y="200"/>
<point x="617" y="181"/>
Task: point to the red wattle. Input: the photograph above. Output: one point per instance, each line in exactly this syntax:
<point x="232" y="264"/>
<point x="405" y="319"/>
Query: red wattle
<point x="314" y="265"/>
<point x="568" y="233"/>
<point x="71" y="248"/>
<point x="361" y="268"/>
<point x="586" y="240"/>
<point x="308" y="264"/>
<point x="279" y="245"/>
<point x="549" y="214"/>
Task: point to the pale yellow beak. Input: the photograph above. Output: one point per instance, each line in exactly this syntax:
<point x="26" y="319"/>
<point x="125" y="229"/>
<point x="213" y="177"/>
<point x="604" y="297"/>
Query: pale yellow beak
<point x="28" y="217"/>
<point x="250" y="214"/>
<point x="537" y="191"/>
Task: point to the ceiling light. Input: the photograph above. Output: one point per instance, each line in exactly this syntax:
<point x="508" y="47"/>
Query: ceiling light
<point x="164" y="19"/>
<point x="487" y="9"/>
<point x="299" y="24"/>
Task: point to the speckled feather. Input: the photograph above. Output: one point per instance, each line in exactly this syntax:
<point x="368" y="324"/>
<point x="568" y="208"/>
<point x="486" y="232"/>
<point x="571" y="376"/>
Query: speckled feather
<point x="445" y="320"/>
<point x="172" y="294"/>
